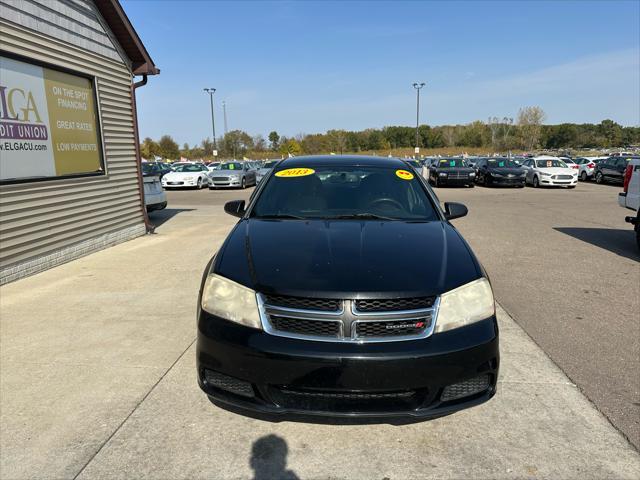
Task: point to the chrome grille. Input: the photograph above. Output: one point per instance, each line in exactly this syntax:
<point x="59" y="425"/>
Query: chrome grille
<point x="458" y="175"/>
<point x="306" y="327"/>
<point x="324" y="304"/>
<point x="394" y="304"/>
<point x="563" y="177"/>
<point x="332" y="320"/>
<point x="220" y="179"/>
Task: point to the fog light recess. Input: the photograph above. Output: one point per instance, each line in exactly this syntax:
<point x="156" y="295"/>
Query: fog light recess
<point x="228" y="384"/>
<point x="465" y="389"/>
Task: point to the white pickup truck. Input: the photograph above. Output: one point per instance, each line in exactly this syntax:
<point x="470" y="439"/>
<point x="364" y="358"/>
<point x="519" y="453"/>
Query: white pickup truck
<point x="630" y="196"/>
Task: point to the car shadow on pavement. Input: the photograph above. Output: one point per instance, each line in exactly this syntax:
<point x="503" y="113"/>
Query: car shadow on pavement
<point x="158" y="217"/>
<point x="269" y="459"/>
<point x="619" y="241"/>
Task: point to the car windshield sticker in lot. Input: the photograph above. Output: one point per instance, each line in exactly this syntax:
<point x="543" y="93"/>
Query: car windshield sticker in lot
<point x="403" y="174"/>
<point x="454" y="162"/>
<point x="295" y="172"/>
<point x="344" y="192"/>
<point x="230" y="166"/>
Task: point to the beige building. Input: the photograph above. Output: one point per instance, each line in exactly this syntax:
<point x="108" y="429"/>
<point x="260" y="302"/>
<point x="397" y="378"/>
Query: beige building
<point x="70" y="180"/>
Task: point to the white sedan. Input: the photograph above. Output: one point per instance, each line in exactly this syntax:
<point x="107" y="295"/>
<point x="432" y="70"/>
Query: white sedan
<point x="549" y="171"/>
<point x="187" y="175"/>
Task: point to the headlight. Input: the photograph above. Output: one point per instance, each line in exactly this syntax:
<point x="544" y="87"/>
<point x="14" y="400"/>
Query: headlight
<point x="188" y="179"/>
<point x="494" y="174"/>
<point x="472" y="174"/>
<point x="465" y="305"/>
<point x="545" y="174"/>
<point x="234" y="177"/>
<point x="442" y="174"/>
<point x="231" y="301"/>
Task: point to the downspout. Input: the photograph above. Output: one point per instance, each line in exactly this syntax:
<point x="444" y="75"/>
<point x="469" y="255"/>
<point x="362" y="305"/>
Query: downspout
<point x="147" y="223"/>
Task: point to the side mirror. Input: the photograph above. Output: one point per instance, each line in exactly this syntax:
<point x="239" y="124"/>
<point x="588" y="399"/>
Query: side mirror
<point x="453" y="210"/>
<point x="235" y="208"/>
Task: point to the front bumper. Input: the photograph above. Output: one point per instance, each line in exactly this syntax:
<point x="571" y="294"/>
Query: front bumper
<point x="455" y="181"/>
<point x="551" y="182"/>
<point x="388" y="380"/>
<point x="506" y="181"/>
<point x="225" y="184"/>
<point x="180" y="184"/>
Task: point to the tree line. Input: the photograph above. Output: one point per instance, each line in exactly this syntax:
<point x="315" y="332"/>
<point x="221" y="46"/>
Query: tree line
<point x="527" y="133"/>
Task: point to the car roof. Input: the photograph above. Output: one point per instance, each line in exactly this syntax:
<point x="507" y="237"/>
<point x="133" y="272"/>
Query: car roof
<point x="342" y="160"/>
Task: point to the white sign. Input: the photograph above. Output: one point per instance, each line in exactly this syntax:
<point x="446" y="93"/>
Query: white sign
<point x="215" y="153"/>
<point x="417" y="150"/>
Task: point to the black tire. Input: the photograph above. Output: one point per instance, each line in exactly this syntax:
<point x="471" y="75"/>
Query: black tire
<point x="536" y="182"/>
<point x="435" y="182"/>
<point x="583" y="176"/>
<point x="599" y="178"/>
<point x="199" y="184"/>
<point x="243" y="185"/>
<point x="471" y="185"/>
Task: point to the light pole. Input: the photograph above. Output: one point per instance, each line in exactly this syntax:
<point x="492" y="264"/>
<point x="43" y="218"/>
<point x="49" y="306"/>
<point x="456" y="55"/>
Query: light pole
<point x="211" y="91"/>
<point x="224" y="110"/>
<point x="418" y="86"/>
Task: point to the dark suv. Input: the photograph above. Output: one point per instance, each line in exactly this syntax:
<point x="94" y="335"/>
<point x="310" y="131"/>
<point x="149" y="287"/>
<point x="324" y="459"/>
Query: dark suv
<point x="611" y="170"/>
<point x="344" y="291"/>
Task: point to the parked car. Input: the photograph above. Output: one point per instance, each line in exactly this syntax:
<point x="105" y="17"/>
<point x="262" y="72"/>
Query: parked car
<point x="451" y="171"/>
<point x="550" y="172"/>
<point x="305" y="309"/>
<point x="630" y="196"/>
<point x="499" y="171"/>
<point x="185" y="175"/>
<point x="155" y="168"/>
<point x="233" y="175"/>
<point x="211" y="166"/>
<point x="570" y="163"/>
<point x="586" y="168"/>
<point x="611" y="169"/>
<point x="154" y="196"/>
<point x="417" y="166"/>
<point x="265" y="169"/>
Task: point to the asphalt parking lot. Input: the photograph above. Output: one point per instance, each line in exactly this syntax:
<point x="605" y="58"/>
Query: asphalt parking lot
<point x="98" y="376"/>
<point x="565" y="265"/>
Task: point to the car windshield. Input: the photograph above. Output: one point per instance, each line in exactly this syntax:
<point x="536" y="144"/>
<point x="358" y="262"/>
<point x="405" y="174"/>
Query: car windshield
<point x="148" y="168"/>
<point x="345" y="192"/>
<point x="451" y="163"/>
<point x="501" y="163"/>
<point x="231" y="166"/>
<point x="550" y="164"/>
<point x="187" y="168"/>
<point x="269" y="165"/>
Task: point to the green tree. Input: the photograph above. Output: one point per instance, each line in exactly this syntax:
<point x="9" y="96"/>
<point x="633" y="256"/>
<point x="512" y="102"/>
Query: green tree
<point x="149" y="149"/>
<point x="274" y="139"/>
<point x="612" y="133"/>
<point x="168" y="147"/>
<point x="290" y="147"/>
<point x="236" y="143"/>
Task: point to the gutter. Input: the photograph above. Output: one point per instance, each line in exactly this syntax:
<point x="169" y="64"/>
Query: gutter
<point x="147" y="223"/>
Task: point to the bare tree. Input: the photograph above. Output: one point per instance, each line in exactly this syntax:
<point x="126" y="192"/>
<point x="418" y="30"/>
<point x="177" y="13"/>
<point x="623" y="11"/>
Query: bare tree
<point x="449" y="135"/>
<point x="530" y="121"/>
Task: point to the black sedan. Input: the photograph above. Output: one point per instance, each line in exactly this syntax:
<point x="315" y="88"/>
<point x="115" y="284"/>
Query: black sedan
<point x="500" y="171"/>
<point x="451" y="171"/>
<point x="343" y="290"/>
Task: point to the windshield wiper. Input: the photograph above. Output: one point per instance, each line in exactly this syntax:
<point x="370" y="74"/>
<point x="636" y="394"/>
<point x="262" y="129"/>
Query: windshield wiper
<point x="361" y="216"/>
<point x="281" y="216"/>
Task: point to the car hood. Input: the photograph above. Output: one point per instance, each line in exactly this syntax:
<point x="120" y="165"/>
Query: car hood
<point x="344" y="258"/>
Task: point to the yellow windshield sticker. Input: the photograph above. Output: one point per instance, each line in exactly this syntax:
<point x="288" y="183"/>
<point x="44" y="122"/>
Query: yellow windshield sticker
<point x="295" y="172"/>
<point x="403" y="174"/>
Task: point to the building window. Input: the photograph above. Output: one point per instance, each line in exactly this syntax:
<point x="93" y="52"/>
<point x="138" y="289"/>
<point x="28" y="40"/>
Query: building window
<point x="49" y="124"/>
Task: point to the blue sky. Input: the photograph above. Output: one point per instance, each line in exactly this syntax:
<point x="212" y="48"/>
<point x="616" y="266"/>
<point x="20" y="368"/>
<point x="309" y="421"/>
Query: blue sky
<point x="305" y="67"/>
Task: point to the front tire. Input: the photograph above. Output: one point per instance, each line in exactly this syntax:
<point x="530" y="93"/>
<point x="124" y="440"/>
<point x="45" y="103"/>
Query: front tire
<point x="599" y="178"/>
<point x="536" y="182"/>
<point x="199" y="185"/>
<point x="583" y="176"/>
<point x="243" y="185"/>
